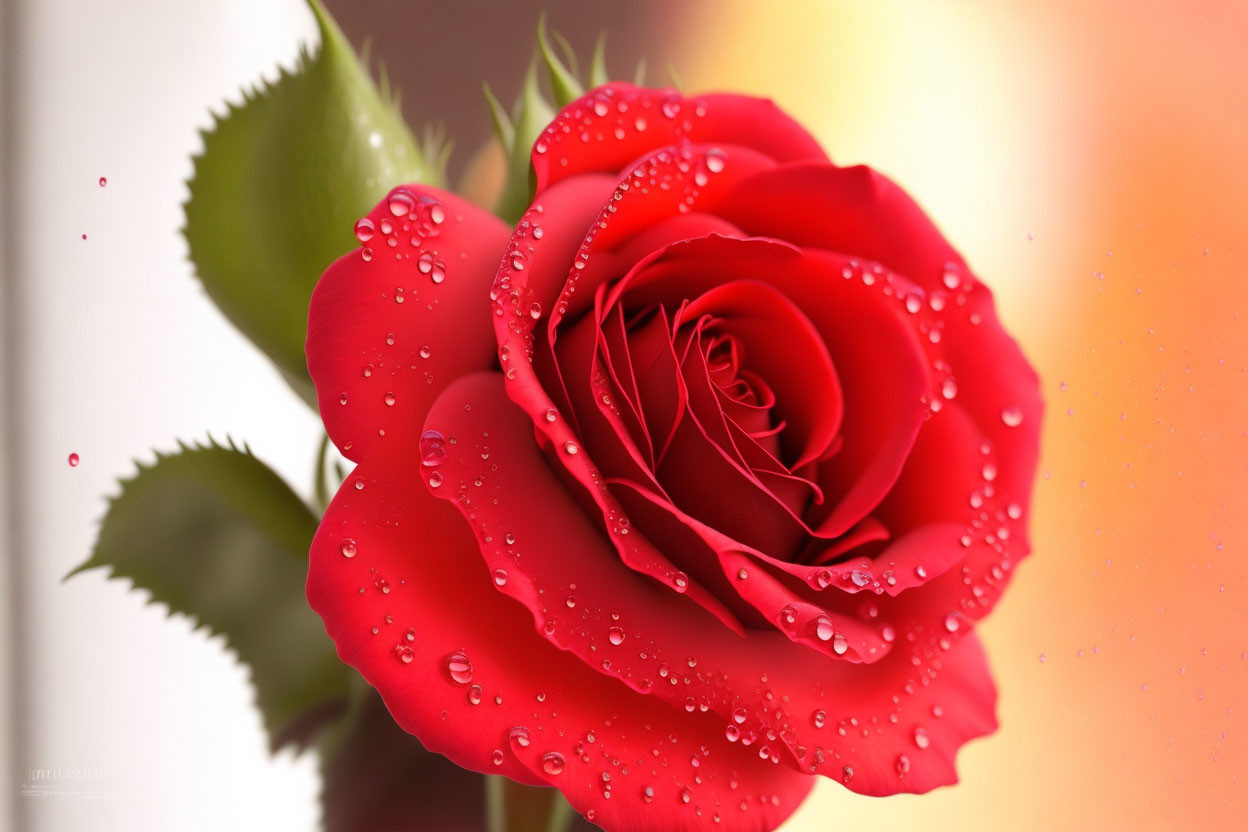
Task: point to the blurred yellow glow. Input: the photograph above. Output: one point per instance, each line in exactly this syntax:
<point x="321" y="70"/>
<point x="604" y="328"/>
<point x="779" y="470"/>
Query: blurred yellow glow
<point x="1116" y="136"/>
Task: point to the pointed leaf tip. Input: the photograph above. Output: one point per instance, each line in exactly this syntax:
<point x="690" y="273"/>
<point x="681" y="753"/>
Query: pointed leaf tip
<point x="598" y="64"/>
<point x="562" y="82"/>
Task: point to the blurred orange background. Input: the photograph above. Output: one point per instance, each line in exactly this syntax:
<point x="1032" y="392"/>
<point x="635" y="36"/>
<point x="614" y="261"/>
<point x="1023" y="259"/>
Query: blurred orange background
<point x="1089" y="161"/>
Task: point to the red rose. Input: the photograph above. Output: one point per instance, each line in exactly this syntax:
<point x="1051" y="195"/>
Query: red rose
<point x="697" y="494"/>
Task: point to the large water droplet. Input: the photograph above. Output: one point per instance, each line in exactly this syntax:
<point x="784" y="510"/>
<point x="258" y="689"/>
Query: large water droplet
<point x="519" y="736"/>
<point x="401" y="203"/>
<point x="348" y="548"/>
<point x="459" y="668"/>
<point x="553" y="763"/>
<point x="364" y="229"/>
<point x="432" y="449"/>
<point x="616" y="636"/>
<point x="1012" y="416"/>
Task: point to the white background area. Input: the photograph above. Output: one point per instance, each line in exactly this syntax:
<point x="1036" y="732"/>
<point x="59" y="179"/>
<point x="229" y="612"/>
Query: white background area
<point x="112" y="349"/>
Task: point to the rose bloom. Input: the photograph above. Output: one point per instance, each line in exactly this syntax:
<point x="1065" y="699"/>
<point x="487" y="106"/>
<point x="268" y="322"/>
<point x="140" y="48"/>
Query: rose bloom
<point x="687" y="488"/>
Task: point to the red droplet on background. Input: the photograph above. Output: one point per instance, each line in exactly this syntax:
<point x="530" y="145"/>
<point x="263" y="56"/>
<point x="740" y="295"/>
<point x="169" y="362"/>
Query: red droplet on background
<point x="73" y="460"/>
<point x="84" y="236"/>
<point x="103" y="181"/>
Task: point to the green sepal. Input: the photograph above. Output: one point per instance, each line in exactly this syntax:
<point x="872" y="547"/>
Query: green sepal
<point x="563" y="82"/>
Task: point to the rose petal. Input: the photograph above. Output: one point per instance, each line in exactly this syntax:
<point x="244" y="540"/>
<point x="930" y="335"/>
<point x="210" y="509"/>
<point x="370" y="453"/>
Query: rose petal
<point x="852" y="210"/>
<point x="383" y="337"/>
<point x="477" y="677"/>
<point x="675" y="651"/>
<point x="612" y="125"/>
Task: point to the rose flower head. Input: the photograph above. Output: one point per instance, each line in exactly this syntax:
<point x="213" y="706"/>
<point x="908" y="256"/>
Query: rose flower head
<point x="687" y="489"/>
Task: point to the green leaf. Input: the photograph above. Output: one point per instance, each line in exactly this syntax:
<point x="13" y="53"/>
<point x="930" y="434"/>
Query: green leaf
<point x="598" y="63"/>
<point x="532" y="115"/>
<point x="216" y="535"/>
<point x="280" y="182"/>
<point x="503" y="128"/>
<point x="562" y="81"/>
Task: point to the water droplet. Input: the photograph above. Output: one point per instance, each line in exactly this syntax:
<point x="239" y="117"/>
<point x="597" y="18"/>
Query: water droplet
<point x="571" y="448"/>
<point x="647" y="794"/>
<point x="847" y="774"/>
<point x="616" y="636"/>
<point x="459" y="668"/>
<point x="435" y="479"/>
<point x="389" y="399"/>
<point x="364" y="229"/>
<point x="519" y="736"/>
<point x="552" y="415"/>
<point x="553" y="763"/>
<point x="840" y="644"/>
<point x="739" y="715"/>
<point x="921" y="739"/>
<point x="401" y="203"/>
<point x="73" y="460"/>
<point x="819" y="718"/>
<point x="951" y="622"/>
<point x="425" y="352"/>
<point x="903" y="765"/>
<point x="432" y="449"/>
<point x="474" y="695"/>
<point x="497" y="757"/>
<point x="500" y="577"/>
<point x="715" y="160"/>
<point x="681" y="580"/>
<point x="823" y="628"/>
<point x="1012" y="416"/>
<point x="685" y="795"/>
<point x="535" y="310"/>
<point x="732" y="732"/>
<point x="103" y="181"/>
<point x="348" y="548"/>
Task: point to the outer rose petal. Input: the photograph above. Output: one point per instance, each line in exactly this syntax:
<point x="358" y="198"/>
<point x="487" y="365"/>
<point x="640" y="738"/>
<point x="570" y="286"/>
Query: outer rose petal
<point x="629" y="122"/>
<point x="414" y="593"/>
<point x="620" y="624"/>
<point x="383" y="337"/>
<point x="854" y="210"/>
